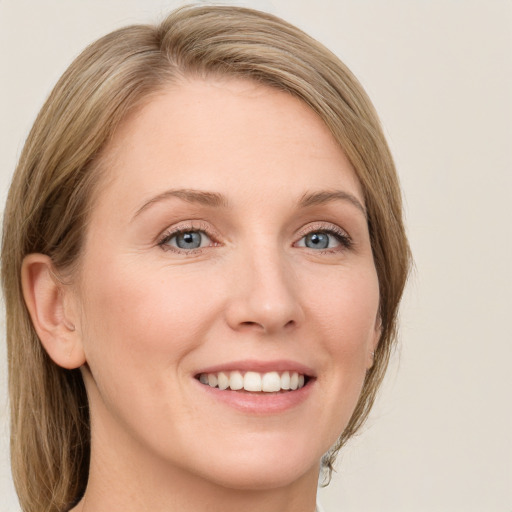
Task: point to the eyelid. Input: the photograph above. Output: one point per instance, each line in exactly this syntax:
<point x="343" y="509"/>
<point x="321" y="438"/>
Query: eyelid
<point x="199" y="225"/>
<point x="327" y="227"/>
<point x="183" y="227"/>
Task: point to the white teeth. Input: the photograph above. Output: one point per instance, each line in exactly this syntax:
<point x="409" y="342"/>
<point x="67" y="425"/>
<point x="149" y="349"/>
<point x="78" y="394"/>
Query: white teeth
<point x="236" y="381"/>
<point x="294" y="381"/>
<point x="252" y="381"/>
<point x="270" y="382"/>
<point x="223" y="380"/>
<point x="212" y="380"/>
<point x="285" y="380"/>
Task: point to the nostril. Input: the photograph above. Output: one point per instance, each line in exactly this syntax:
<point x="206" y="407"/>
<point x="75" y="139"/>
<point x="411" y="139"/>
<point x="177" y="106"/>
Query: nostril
<point x="252" y="324"/>
<point x="262" y="326"/>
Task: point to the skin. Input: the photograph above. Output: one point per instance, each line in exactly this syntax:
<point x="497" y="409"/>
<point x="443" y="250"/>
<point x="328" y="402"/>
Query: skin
<point x="142" y="318"/>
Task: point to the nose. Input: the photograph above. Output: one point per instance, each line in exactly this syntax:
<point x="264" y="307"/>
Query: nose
<point x="263" y="295"/>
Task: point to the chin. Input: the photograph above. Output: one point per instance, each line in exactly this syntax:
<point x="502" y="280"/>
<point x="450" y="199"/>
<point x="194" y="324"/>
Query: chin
<point x="263" y="467"/>
<point x="257" y="477"/>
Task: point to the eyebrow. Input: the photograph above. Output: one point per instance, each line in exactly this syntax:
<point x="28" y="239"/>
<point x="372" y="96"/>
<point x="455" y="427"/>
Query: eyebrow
<point x="216" y="200"/>
<point x="191" y="196"/>
<point x="326" y="196"/>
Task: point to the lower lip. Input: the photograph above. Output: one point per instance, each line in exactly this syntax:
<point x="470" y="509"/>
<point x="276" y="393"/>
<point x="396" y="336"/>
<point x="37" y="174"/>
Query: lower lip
<point x="260" y="403"/>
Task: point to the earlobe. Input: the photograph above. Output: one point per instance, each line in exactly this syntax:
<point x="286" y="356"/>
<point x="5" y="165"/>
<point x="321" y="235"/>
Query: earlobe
<point x="48" y="302"/>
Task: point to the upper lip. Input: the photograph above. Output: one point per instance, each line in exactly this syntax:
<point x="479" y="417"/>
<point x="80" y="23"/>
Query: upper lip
<point x="252" y="365"/>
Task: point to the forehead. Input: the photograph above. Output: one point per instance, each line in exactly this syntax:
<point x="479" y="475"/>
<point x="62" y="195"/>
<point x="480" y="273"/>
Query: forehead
<point x="224" y="135"/>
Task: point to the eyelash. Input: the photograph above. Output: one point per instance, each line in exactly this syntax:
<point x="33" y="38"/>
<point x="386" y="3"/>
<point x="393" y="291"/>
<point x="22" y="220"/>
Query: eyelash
<point x="169" y="235"/>
<point x="329" y="229"/>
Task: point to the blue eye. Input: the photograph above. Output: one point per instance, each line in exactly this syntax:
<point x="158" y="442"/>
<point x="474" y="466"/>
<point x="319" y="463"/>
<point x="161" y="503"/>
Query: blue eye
<point x="324" y="240"/>
<point x="317" y="240"/>
<point x="187" y="240"/>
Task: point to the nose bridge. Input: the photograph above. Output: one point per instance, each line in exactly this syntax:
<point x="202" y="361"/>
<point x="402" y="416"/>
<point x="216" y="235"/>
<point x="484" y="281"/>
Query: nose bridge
<point x="265" y="297"/>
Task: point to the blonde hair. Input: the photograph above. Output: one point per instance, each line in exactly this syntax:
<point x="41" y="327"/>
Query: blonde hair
<point x="55" y="180"/>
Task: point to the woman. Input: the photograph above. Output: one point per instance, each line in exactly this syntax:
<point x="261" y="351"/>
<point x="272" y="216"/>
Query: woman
<point x="203" y="258"/>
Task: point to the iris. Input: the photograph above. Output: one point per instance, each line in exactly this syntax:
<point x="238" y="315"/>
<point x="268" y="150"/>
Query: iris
<point x="317" y="240"/>
<point x="189" y="240"/>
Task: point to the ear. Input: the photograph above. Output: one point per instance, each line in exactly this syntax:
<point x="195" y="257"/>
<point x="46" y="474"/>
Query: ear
<point x="374" y="343"/>
<point x="50" y="306"/>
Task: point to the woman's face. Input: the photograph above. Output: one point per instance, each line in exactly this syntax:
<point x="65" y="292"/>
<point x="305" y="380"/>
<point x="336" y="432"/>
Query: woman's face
<point x="229" y="235"/>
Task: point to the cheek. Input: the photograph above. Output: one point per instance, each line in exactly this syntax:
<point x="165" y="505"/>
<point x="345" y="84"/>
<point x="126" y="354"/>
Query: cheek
<point x="141" y="319"/>
<point x="346" y="308"/>
<point x="346" y="314"/>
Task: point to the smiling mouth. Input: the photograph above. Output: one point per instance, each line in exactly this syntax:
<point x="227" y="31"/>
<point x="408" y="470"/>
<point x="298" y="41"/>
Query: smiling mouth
<point x="254" y="382"/>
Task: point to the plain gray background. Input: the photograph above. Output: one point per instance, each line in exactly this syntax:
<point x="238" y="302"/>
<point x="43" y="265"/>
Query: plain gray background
<point x="440" y="75"/>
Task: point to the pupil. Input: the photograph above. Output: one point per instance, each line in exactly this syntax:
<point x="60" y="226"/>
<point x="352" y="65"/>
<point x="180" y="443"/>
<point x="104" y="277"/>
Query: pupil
<point x="190" y="240"/>
<point x="317" y="241"/>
